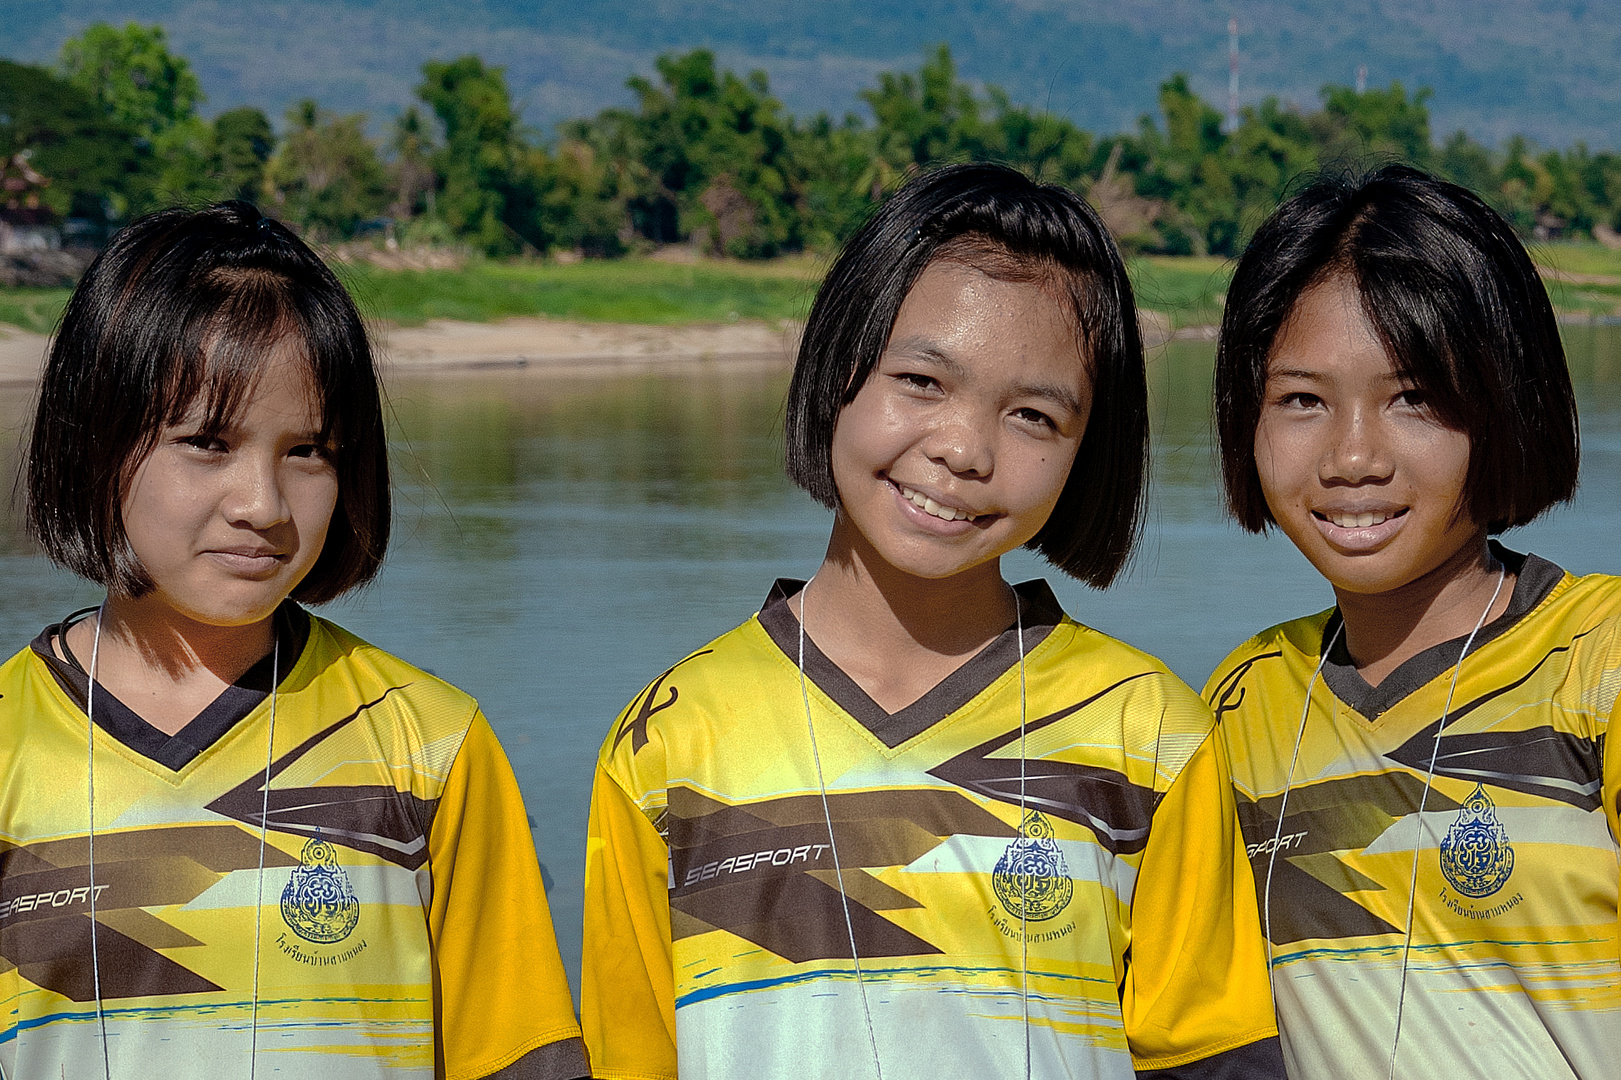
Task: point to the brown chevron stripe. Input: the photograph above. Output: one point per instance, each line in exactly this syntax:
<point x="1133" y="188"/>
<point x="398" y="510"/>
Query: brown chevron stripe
<point x="1117" y="811"/>
<point x="1309" y="880"/>
<point x="45" y="906"/>
<point x="379" y="820"/>
<point x="1557" y="765"/>
<point x="765" y="870"/>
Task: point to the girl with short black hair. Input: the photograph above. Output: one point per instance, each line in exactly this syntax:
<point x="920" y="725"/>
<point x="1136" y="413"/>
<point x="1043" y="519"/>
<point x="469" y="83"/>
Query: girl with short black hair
<point x="1423" y="775"/>
<point x="235" y="837"/>
<point x="911" y="821"/>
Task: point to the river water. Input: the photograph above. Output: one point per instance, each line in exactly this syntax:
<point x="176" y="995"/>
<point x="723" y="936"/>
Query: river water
<point x="562" y="539"/>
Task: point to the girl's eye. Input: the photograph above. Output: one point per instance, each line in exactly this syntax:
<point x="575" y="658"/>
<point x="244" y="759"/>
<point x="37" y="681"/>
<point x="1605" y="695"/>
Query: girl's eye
<point x="1413" y="399"/>
<point x="210" y="443"/>
<point x="917" y="380"/>
<point x="1036" y="417"/>
<point x="1300" y="399"/>
<point x="309" y="450"/>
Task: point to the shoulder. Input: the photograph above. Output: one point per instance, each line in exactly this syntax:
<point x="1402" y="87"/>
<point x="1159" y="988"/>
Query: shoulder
<point x="1158" y="715"/>
<point x="741" y="664"/>
<point x="1277" y="647"/>
<point x="338" y="664"/>
<point x="1091" y="661"/>
<point x="1588" y="599"/>
<point x="17" y="669"/>
<point x="25" y="692"/>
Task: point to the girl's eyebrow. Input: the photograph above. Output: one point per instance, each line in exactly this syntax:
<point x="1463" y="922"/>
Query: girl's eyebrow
<point x="921" y="349"/>
<point x="1058" y="395"/>
<point x="1296" y="373"/>
<point x="1309" y="375"/>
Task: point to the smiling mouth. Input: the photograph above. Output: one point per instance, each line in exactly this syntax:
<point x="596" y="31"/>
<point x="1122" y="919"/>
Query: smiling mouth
<point x="1365" y="520"/>
<point x="932" y="508"/>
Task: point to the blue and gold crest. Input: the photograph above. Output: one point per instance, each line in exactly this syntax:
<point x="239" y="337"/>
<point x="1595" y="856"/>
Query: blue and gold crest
<point x="1030" y="878"/>
<point x="1475" y="854"/>
<point x="318" y="902"/>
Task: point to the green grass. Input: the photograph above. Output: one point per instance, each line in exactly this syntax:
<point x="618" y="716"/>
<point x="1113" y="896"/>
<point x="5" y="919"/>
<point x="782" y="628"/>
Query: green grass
<point x="1189" y="290"/>
<point x="32" y="309"/>
<point x="1598" y="290"/>
<point x="1585" y="257"/>
<point x="626" y="291"/>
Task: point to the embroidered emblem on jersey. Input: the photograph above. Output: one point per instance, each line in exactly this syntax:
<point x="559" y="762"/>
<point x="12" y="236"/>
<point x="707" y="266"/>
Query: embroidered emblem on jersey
<point x="1031" y="878"/>
<point x="318" y="902"/>
<point x="1475" y="853"/>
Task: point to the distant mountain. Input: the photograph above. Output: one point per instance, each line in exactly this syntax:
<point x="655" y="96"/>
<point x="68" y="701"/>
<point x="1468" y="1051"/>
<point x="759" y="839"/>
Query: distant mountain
<point x="1549" y="69"/>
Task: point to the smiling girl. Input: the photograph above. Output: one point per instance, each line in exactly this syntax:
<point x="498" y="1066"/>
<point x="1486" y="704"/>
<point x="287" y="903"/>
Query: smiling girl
<point x="235" y="839"/>
<point x="1423" y="776"/>
<point x="911" y="821"/>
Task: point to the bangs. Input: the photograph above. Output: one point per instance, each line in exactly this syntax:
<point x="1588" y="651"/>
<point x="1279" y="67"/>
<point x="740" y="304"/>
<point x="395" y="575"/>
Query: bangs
<point x="241" y="321"/>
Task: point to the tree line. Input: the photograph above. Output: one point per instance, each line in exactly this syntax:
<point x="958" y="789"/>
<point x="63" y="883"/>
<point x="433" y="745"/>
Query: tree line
<point x="709" y="157"/>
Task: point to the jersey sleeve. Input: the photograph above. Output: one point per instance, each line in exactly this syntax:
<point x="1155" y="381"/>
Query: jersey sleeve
<point x="627" y="982"/>
<point x="1610" y="781"/>
<point x="1196" y="1001"/>
<point x="504" y="1003"/>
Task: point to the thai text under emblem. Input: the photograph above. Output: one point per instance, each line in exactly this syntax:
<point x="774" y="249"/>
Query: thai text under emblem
<point x="1031" y="878"/>
<point x="318" y="902"/>
<point x="1475" y="853"/>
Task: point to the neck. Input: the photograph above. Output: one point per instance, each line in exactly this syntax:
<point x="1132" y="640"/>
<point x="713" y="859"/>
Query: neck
<point x="164" y="666"/>
<point x="1384" y="630"/>
<point x="896" y="634"/>
<point x="169" y="642"/>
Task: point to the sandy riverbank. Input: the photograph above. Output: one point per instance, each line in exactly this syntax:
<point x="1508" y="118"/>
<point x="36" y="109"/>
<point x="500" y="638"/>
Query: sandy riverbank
<point x="552" y="345"/>
<point x="537" y="345"/>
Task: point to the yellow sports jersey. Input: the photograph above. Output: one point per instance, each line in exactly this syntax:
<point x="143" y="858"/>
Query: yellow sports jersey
<point x="1514" y="967"/>
<point x="398" y="927"/>
<point x="716" y="937"/>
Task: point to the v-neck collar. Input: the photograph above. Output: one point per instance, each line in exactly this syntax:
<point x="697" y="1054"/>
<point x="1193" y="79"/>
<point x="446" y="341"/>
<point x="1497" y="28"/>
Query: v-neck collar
<point x="1535" y="578"/>
<point x="218" y="717"/>
<point x="1041" y="612"/>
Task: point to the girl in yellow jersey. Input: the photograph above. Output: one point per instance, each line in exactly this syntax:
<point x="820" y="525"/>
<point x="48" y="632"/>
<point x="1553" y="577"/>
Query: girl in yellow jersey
<point x="910" y="821"/>
<point x="1426" y="788"/>
<point x="234" y="839"/>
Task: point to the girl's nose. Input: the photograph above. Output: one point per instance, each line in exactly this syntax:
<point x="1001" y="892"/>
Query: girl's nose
<point x="962" y="444"/>
<point x="1357" y="453"/>
<point x="255" y="498"/>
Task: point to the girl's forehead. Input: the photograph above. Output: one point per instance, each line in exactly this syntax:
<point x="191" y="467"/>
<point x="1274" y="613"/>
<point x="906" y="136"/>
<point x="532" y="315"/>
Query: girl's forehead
<point x="234" y="374"/>
<point x="1328" y="326"/>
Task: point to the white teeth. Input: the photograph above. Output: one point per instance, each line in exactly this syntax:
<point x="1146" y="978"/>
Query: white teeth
<point x="929" y="506"/>
<point x="1358" y="521"/>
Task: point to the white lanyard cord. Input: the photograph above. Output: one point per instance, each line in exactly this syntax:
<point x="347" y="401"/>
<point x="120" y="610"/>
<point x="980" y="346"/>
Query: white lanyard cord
<point x="90" y="784"/>
<point x="264" y="817"/>
<point x="1024" y="960"/>
<point x="1283" y="805"/>
<point x="1418" y="829"/>
<point x="1024" y="899"/>
<point x="832" y="842"/>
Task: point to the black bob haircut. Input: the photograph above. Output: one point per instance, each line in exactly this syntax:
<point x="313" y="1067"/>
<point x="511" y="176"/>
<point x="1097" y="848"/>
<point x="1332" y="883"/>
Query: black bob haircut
<point x="1459" y="308"/>
<point x="1003" y="224"/>
<point x="185" y="307"/>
